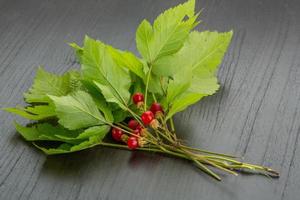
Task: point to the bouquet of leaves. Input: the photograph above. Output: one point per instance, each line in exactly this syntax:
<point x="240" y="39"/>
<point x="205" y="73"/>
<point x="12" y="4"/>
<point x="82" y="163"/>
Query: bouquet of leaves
<point x="133" y="98"/>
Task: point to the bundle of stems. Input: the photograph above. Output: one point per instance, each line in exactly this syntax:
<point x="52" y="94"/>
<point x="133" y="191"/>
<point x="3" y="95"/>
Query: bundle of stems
<point x="163" y="139"/>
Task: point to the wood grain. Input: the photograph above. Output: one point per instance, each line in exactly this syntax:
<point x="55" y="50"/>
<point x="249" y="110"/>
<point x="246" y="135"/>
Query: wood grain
<point x="256" y="113"/>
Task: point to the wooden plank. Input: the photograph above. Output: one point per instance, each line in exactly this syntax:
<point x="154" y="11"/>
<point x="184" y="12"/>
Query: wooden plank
<point x="255" y="114"/>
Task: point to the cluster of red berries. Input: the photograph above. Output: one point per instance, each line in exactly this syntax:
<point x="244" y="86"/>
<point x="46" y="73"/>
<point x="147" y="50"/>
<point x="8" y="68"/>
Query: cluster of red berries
<point x="138" y="131"/>
<point x="149" y="115"/>
<point x="119" y="135"/>
<point x="133" y="140"/>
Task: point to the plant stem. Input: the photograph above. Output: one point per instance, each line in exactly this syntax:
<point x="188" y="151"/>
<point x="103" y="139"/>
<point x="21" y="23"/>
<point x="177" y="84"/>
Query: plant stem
<point x="172" y="147"/>
<point x="147" y="85"/>
<point x="207" y="170"/>
<point x="162" y="150"/>
<point x="124" y="126"/>
<point x="172" y="125"/>
<point x="202" y="166"/>
<point x="154" y="98"/>
<point x="121" y="146"/>
<point x="135" y="116"/>
<point x="165" y="128"/>
<point x="165" y="137"/>
<point x="162" y="87"/>
<point x="208" y="152"/>
<point x="242" y="165"/>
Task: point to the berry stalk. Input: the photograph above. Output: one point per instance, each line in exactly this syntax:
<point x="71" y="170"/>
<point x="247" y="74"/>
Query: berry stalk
<point x="151" y="133"/>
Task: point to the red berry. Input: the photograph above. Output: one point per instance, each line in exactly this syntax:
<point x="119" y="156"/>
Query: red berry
<point x="138" y="97"/>
<point x="156" y="107"/>
<point x="136" y="132"/>
<point x="139" y="127"/>
<point x="147" y="117"/>
<point x="117" y="134"/>
<point x="132" y="143"/>
<point x="133" y="124"/>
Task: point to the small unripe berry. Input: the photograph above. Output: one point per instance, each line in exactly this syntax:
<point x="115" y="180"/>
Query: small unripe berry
<point x="141" y="142"/>
<point x="147" y="117"/>
<point x="154" y="124"/>
<point x="117" y="134"/>
<point x="124" y="138"/>
<point x="144" y="132"/>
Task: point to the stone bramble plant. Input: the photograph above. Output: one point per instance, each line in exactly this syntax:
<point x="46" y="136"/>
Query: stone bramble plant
<point x="133" y="98"/>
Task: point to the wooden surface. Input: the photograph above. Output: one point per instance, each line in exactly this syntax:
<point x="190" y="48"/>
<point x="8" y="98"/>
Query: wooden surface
<point x="256" y="114"/>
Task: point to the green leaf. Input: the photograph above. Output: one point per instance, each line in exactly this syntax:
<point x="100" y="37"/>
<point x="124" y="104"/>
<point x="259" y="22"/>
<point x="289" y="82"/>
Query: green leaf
<point x="203" y="82"/>
<point x="99" y="100"/>
<point x="48" y="132"/>
<point x="137" y="85"/>
<point x="92" y="131"/>
<point x="169" y="31"/>
<point x="112" y="97"/>
<point x="46" y="83"/>
<point x="208" y="49"/>
<point x="182" y="102"/>
<point x="201" y="54"/>
<point x="178" y="85"/>
<point x="45" y="132"/>
<point x="156" y="84"/>
<point x="201" y="50"/>
<point x="38" y="112"/>
<point x="77" y="110"/>
<point x="99" y="68"/>
<point x="144" y="35"/>
<point x="68" y="148"/>
<point x="127" y="60"/>
<point x="78" y="50"/>
<point x="166" y="37"/>
<point x="120" y="115"/>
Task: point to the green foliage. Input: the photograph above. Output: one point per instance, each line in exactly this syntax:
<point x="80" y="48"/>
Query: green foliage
<point x="129" y="61"/>
<point x="38" y="112"/>
<point x="168" y="32"/>
<point x="197" y="62"/>
<point x="99" y="100"/>
<point x="68" y="140"/>
<point x="99" y="67"/>
<point x="86" y="134"/>
<point x="76" y="110"/>
<point x="44" y="131"/>
<point x="46" y="83"/>
<point x="69" y="148"/>
<point x="163" y="39"/>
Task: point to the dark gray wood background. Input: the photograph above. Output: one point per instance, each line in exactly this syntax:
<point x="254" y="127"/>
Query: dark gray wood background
<point x="255" y="114"/>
